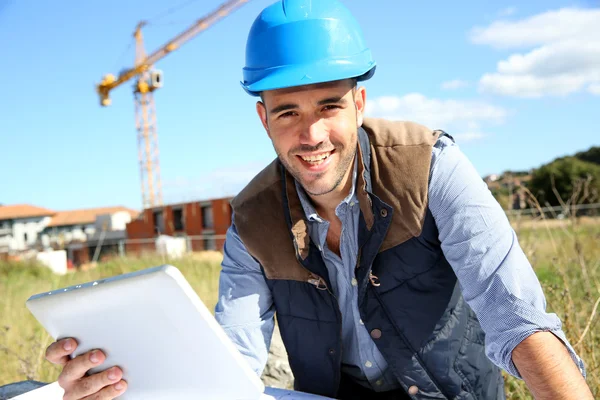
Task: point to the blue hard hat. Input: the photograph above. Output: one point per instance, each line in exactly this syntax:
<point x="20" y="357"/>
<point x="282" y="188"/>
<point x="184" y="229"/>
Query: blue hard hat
<point x="301" y="42"/>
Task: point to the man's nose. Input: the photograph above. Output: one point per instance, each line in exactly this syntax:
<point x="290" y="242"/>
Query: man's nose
<point x="314" y="132"/>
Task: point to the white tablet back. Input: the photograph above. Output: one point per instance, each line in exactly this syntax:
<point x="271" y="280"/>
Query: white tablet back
<point x="152" y="324"/>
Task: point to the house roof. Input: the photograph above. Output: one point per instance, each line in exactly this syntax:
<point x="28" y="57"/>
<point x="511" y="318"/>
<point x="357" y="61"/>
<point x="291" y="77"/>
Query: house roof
<point x="86" y="216"/>
<point x="19" y="211"/>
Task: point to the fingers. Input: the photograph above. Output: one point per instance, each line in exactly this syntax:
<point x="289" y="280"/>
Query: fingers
<point x="59" y="351"/>
<point x="109" y="392"/>
<point x="76" y="368"/>
<point x="104" y="385"/>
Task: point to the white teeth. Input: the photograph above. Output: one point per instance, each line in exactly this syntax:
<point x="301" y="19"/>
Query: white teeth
<point x="316" y="158"/>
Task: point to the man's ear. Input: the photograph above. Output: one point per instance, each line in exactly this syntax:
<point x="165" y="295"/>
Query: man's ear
<point x="261" y="110"/>
<point x="360" y="99"/>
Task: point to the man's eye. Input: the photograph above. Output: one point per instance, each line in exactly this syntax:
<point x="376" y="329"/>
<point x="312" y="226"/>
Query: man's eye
<point x="330" y="107"/>
<point x="286" y="114"/>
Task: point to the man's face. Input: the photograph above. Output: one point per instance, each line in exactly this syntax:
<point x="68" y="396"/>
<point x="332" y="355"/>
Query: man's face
<point x="314" y="131"/>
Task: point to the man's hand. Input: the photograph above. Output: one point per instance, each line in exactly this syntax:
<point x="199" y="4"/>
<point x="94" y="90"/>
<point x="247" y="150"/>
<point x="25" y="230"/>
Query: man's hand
<point x="101" y="386"/>
<point x="548" y="370"/>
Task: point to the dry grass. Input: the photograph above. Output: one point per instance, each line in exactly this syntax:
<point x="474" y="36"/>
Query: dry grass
<point x="23" y="341"/>
<point x="566" y="259"/>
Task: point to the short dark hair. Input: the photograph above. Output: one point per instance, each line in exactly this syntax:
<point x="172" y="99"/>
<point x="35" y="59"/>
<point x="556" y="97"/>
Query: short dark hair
<point x="353" y="81"/>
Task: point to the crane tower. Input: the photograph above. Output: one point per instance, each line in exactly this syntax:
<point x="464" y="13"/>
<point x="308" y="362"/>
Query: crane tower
<point x="147" y="81"/>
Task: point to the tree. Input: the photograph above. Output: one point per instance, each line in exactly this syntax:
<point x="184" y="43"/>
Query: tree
<point x="568" y="175"/>
<point x="592" y="155"/>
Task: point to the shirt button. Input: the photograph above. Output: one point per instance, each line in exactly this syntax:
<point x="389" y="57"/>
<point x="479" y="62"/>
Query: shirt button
<point x="375" y="333"/>
<point x="368" y="364"/>
<point x="413" y="390"/>
<point x="352" y="204"/>
<point x="379" y="382"/>
<point x="354" y="282"/>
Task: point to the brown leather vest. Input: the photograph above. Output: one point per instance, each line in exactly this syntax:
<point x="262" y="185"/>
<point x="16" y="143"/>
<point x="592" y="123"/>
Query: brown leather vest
<point x="400" y="162"/>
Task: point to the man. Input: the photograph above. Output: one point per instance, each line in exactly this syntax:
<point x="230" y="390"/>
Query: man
<point x="393" y="271"/>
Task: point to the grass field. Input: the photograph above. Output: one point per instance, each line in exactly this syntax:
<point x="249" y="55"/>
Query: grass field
<point x="566" y="260"/>
<point x="23" y="340"/>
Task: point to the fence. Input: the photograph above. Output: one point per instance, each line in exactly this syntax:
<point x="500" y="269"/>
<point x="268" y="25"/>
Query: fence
<point x="559" y="212"/>
<point x="110" y="246"/>
<point x="83" y="253"/>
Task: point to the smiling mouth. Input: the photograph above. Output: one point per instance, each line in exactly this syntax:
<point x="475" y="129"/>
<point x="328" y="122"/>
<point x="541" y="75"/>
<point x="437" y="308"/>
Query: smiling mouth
<point x="317" y="158"/>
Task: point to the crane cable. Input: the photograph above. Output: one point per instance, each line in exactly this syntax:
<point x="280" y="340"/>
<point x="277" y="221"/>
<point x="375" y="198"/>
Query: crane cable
<point x="151" y="22"/>
<point x="127" y="49"/>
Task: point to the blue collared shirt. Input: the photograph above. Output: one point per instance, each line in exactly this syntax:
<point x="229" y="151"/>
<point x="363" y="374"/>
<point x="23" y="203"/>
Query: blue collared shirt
<point x="494" y="274"/>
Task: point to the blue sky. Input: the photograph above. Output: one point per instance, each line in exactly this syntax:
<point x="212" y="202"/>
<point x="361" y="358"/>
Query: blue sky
<point x="517" y="84"/>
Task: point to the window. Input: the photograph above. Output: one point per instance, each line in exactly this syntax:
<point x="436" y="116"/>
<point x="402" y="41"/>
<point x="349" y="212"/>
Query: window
<point x="178" y="223"/>
<point x="210" y="244"/>
<point x="207" y="217"/>
<point x="159" y="222"/>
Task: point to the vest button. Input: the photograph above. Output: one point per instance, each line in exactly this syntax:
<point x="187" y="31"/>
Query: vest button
<point x="376" y="333"/>
<point x="384" y="212"/>
<point x="331" y="352"/>
<point x="413" y="390"/>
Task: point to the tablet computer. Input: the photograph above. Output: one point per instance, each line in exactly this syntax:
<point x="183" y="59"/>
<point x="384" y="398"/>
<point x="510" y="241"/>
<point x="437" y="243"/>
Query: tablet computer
<point x="153" y="326"/>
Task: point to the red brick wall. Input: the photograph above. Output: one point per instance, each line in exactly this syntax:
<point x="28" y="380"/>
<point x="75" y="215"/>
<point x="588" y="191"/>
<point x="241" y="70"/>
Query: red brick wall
<point x="168" y="220"/>
<point x="222" y="219"/>
<point x="193" y="224"/>
<point x="193" y="219"/>
<point x="143" y="228"/>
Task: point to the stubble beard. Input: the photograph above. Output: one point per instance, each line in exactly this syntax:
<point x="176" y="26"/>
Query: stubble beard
<point x="340" y="170"/>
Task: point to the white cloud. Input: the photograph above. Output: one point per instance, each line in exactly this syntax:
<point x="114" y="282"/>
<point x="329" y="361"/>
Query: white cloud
<point x="563" y="53"/>
<point x="454" y="84"/>
<point x="544" y="28"/>
<point x="453" y="116"/>
<point x="507" y="12"/>
<point x="594" y="88"/>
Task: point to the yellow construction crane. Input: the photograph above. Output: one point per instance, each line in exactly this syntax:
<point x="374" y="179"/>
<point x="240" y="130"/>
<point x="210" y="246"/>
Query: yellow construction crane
<point x="148" y="80"/>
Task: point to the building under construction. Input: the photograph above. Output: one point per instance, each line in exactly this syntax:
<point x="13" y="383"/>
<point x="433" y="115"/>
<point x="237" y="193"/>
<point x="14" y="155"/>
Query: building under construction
<point x="202" y="223"/>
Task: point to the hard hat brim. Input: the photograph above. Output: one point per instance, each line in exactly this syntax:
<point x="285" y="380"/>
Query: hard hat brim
<point x="307" y="74"/>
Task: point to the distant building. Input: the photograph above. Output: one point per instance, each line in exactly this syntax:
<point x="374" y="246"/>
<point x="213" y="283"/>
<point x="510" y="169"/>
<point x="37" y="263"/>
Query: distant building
<point x="80" y="225"/>
<point x="20" y="226"/>
<point x="203" y="223"/>
<point x="24" y="226"/>
<point x="491" y="178"/>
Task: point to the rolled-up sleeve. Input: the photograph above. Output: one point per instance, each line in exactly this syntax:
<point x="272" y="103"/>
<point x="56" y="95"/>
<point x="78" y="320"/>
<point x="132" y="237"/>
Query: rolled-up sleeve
<point x="245" y="306"/>
<point x="495" y="276"/>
